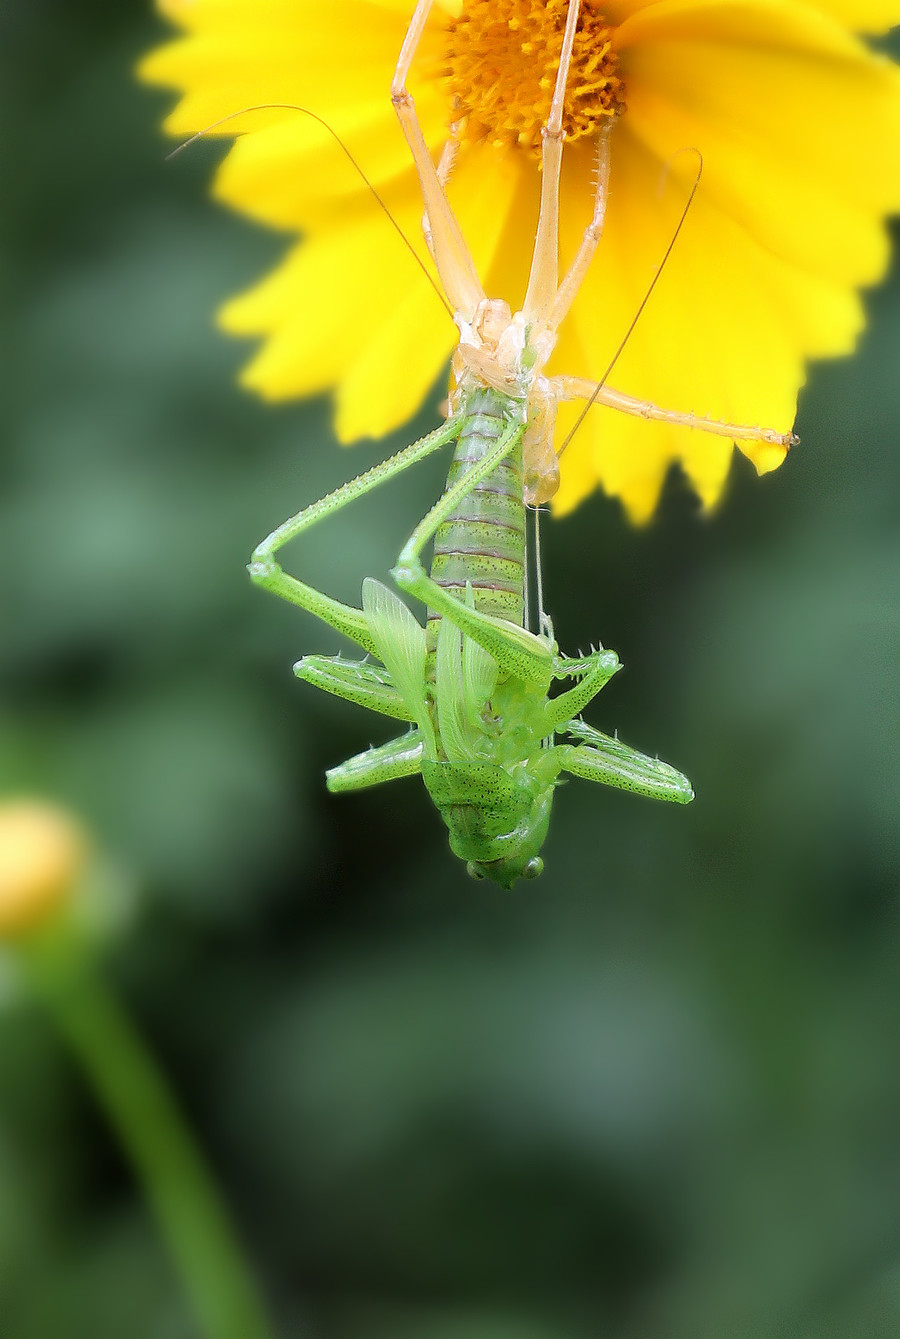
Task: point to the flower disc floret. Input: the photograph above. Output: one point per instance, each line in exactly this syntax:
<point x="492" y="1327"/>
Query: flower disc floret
<point x="501" y="67"/>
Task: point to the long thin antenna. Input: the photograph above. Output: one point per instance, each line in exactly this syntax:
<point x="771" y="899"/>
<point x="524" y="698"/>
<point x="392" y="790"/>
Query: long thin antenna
<point x="293" y="107"/>
<point x="646" y="298"/>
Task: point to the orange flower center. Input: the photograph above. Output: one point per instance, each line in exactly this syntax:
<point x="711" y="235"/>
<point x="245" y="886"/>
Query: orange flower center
<point x="502" y="58"/>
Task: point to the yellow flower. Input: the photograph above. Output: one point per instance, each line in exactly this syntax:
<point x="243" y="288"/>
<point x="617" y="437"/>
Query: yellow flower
<point x="42" y="855"/>
<point x="797" y="122"/>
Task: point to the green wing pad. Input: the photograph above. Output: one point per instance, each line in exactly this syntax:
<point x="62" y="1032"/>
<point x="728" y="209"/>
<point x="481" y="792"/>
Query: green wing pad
<point x="400" y="641"/>
<point x="465" y="676"/>
<point x="455" y="729"/>
<point x="479" y="669"/>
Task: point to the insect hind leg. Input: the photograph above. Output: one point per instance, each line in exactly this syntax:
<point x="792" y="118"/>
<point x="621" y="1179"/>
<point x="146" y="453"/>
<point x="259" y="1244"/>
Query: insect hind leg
<point x="520" y="654"/>
<point x="266" y="571"/>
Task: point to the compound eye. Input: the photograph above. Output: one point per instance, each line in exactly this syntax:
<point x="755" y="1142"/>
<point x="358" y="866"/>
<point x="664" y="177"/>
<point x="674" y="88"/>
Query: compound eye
<point x="474" y="872"/>
<point x="534" y="868"/>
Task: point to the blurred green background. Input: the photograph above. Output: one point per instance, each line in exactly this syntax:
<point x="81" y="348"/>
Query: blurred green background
<point x="653" y="1095"/>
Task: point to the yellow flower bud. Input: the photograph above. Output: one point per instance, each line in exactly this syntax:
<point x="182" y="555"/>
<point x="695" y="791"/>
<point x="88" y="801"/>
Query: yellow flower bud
<point x="42" y="854"/>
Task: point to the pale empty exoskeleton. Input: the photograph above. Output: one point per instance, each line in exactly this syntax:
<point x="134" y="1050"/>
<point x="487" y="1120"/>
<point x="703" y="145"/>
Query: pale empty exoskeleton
<point x="475" y="684"/>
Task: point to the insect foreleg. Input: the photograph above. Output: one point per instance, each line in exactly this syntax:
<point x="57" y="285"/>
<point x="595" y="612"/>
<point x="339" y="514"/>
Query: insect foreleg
<point x="265" y="571"/>
<point x="613" y="763"/>
<point x="388" y="762"/>
<point x="596" y="672"/>
<point x="568" y="289"/>
<point x="445" y="167"/>
<point x="544" y="275"/>
<point x="518" y="653"/>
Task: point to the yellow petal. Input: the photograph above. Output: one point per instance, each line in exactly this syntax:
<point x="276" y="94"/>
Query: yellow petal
<point x="291" y="54"/>
<point x="407" y="342"/>
<point x="296" y="175"/>
<point x="712" y="341"/>
<point x="764" y="273"/>
<point x="349" y="309"/>
<point x="862" y="16"/>
<point x="326" y="305"/>
<point x="196" y="15"/>
<point x="798" y="126"/>
<point x="286" y="51"/>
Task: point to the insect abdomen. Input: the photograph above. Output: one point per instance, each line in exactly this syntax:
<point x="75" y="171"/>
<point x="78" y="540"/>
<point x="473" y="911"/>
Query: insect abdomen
<point x="483" y="541"/>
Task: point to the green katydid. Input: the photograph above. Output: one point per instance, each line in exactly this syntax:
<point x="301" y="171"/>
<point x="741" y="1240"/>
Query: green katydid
<point x="475" y="684"/>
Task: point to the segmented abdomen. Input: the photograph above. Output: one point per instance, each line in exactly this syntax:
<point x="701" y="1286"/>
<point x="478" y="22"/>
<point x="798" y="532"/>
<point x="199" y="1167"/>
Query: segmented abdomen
<point x="483" y="542"/>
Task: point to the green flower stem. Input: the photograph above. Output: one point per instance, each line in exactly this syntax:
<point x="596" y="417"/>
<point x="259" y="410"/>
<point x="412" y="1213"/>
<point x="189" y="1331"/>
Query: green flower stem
<point x="140" y="1106"/>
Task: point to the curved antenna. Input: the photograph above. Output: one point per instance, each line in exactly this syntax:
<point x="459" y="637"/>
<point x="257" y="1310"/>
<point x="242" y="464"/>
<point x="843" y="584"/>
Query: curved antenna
<point x="646" y="298"/>
<point x="293" y="107"/>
